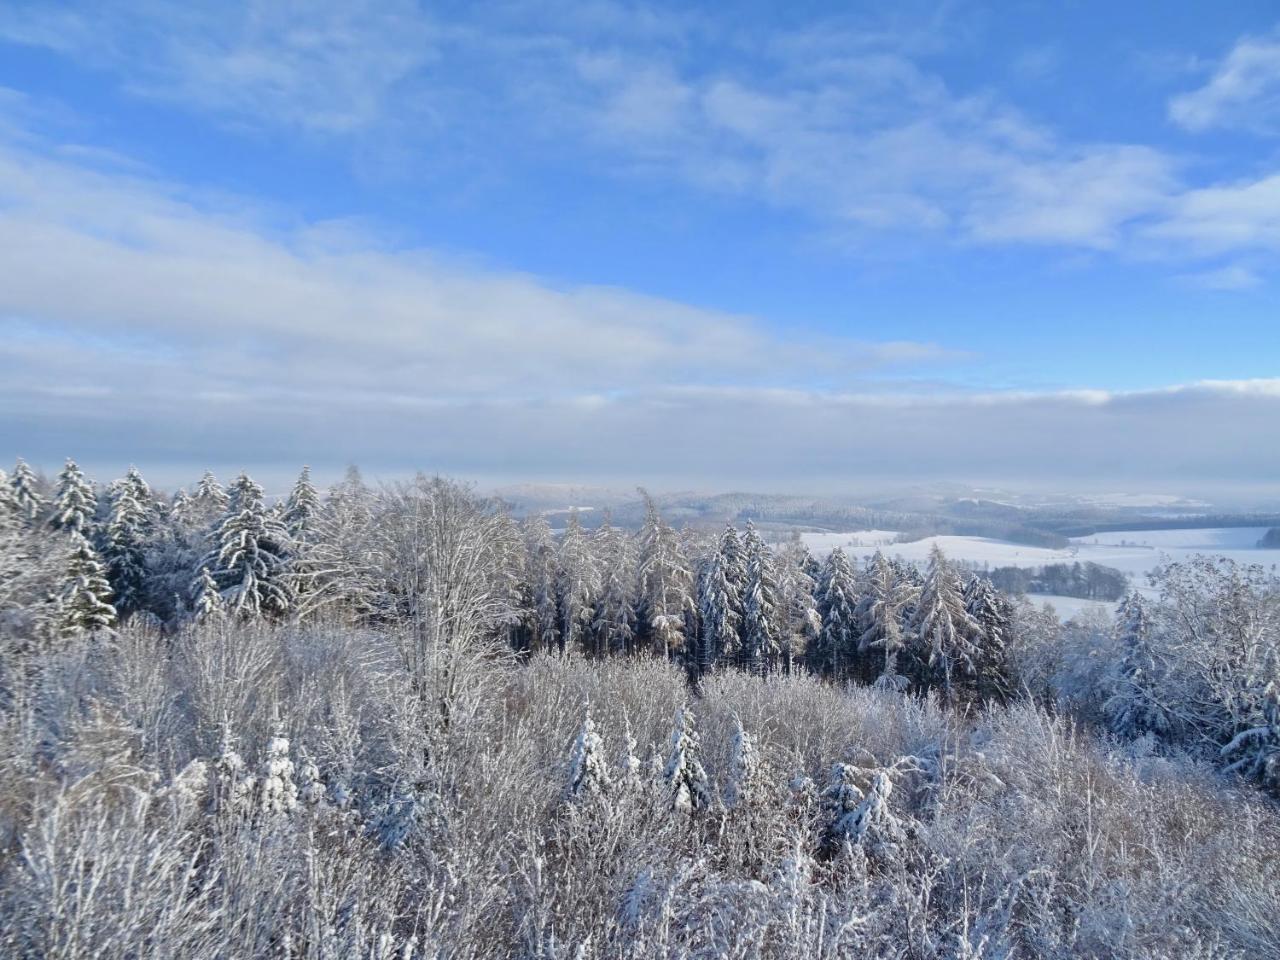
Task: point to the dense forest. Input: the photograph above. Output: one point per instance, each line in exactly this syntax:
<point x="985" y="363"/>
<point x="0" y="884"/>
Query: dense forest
<point x="394" y="721"/>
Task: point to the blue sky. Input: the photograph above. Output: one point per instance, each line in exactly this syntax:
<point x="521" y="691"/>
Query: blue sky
<point x="686" y="244"/>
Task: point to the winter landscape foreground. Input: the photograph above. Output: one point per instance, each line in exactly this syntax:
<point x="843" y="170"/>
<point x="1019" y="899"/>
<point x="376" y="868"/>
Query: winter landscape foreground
<point x="397" y="722"/>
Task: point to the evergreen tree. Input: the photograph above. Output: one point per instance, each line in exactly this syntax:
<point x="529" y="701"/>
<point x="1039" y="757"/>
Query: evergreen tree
<point x="25" y="488"/>
<point x="762" y="618"/>
<point x="1133" y="707"/>
<point x="206" y="602"/>
<point x="124" y="541"/>
<point x="209" y="501"/>
<point x="880" y="621"/>
<point x="688" y="789"/>
<point x="302" y="507"/>
<point x="578" y="585"/>
<point x="665" y="586"/>
<point x="588" y="770"/>
<point x="799" y="575"/>
<point x="75" y="505"/>
<point x="834" y="650"/>
<point x="84" y="604"/>
<point x="541" y="610"/>
<point x="993" y="615"/>
<point x="943" y="631"/>
<point x="720" y="602"/>
<point x="9" y="510"/>
<point x="249" y="560"/>
<point x="277" y="791"/>
<point x="840" y="801"/>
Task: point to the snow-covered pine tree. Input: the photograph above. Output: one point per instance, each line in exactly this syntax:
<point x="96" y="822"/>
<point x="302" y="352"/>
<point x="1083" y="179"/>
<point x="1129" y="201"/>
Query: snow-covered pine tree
<point x="277" y="792"/>
<point x="206" y="598"/>
<point x="839" y="802"/>
<point x="8" y="501"/>
<point x="834" y="651"/>
<point x="993" y="615"/>
<point x="25" y="488"/>
<point x="249" y="561"/>
<point x="880" y="621"/>
<point x="209" y="499"/>
<point x="1133" y="707"/>
<point x="1257" y="749"/>
<point x="588" y="769"/>
<point x="799" y="574"/>
<point x="762" y="616"/>
<point x="720" y="603"/>
<point x="688" y="789"/>
<point x="84" y="604"/>
<point x="578" y="585"/>
<point x="744" y="769"/>
<point x="666" y="591"/>
<point x="613" y="629"/>
<point x="943" y="632"/>
<point x="302" y="507"/>
<point x="75" y="506"/>
<point x="124" y="541"/>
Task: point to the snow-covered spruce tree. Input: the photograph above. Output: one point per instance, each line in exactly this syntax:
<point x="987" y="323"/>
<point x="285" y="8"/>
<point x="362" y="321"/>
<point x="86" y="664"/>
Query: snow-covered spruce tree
<point x="1134" y="706"/>
<point x="206" y="598"/>
<point x="873" y="825"/>
<point x="578" y="585"/>
<point x="992" y="613"/>
<point x="880" y="621"/>
<point x="277" y="792"/>
<point x="798" y="580"/>
<point x="249" y="559"/>
<point x="744" y="769"/>
<point x="666" y="589"/>
<point x="943" y="633"/>
<point x="588" y="769"/>
<point x="84" y="604"/>
<point x="687" y="787"/>
<point x="302" y="507"/>
<point x="762" y="616"/>
<point x="25" y="488"/>
<point x="720" y="603"/>
<point x="75" y="505"/>
<point x="124" y="540"/>
<point x="1255" y="752"/>
<point x="613" y="629"/>
<point x="840" y="800"/>
<point x="8" y="503"/>
<point x="834" y="651"/>
<point x="209" y="501"/>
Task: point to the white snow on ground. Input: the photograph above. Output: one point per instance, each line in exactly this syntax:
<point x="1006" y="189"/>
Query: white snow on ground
<point x="1134" y="552"/>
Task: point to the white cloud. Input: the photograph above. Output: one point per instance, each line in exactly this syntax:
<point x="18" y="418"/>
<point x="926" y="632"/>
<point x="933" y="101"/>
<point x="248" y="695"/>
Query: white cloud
<point x="329" y="67"/>
<point x="1231" y="277"/>
<point x="1242" y="94"/>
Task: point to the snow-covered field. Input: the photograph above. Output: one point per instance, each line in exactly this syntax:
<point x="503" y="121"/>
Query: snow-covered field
<point x="1134" y="552"/>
